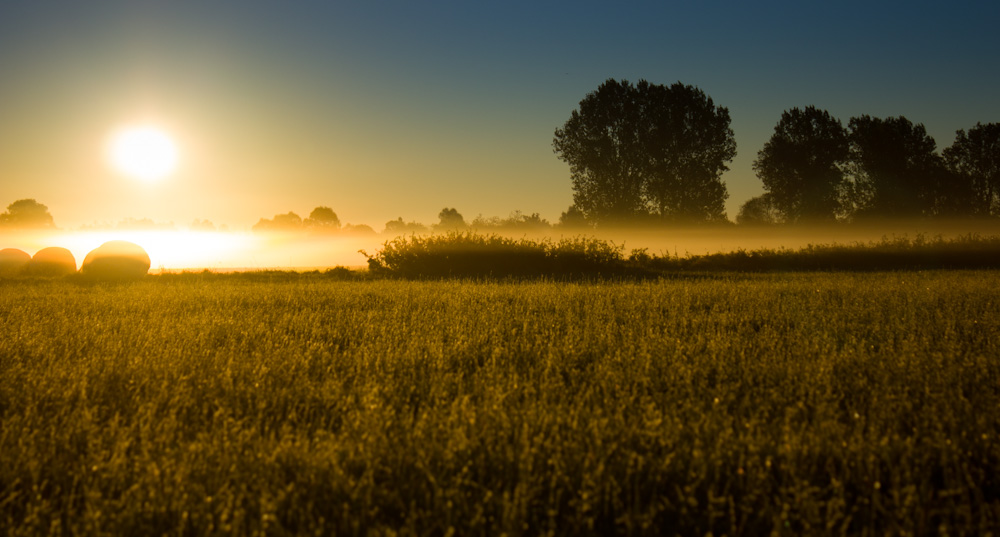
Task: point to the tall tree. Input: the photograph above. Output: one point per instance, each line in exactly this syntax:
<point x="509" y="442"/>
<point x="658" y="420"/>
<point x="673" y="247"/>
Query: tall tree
<point x="647" y="149"/>
<point x="689" y="144"/>
<point x="605" y="153"/>
<point x="759" y="210"/>
<point x="801" y="166"/>
<point x="895" y="169"/>
<point x="975" y="156"/>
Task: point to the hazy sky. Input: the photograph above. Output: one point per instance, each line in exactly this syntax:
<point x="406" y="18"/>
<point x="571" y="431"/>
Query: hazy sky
<point x="385" y="109"/>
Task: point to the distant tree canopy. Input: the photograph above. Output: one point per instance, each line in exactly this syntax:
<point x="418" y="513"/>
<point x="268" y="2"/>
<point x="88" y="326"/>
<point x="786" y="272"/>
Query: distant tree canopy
<point x="517" y="221"/>
<point x="647" y="150"/>
<point x="27" y="213"/>
<point x="758" y="211"/>
<point x="801" y="167"/>
<point x="573" y="217"/>
<point x="975" y="158"/>
<point x="399" y="227"/>
<point x="288" y="221"/>
<point x="357" y="229"/>
<point x="450" y="219"/>
<point x="814" y="170"/>
<point x="322" y="217"/>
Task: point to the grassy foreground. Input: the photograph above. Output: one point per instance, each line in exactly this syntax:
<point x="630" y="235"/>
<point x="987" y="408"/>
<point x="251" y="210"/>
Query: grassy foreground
<point x="818" y="403"/>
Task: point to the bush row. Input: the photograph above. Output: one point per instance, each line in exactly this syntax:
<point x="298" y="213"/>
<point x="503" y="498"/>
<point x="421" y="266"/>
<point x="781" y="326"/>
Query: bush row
<point x="472" y="255"/>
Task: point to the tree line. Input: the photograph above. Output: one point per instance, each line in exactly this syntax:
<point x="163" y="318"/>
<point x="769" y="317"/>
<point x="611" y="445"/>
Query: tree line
<point x="30" y="214"/>
<point x="648" y="153"/>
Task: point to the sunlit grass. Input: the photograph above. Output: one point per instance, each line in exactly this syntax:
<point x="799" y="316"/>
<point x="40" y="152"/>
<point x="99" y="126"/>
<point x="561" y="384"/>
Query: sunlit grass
<point x="269" y="402"/>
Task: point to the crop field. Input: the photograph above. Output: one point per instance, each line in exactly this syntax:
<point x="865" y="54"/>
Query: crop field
<point x="820" y="403"/>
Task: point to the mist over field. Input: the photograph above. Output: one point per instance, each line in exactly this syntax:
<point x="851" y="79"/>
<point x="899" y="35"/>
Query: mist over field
<point x="185" y="249"/>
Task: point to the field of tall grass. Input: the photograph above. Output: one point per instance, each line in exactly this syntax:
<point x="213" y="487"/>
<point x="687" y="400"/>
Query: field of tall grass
<point x="276" y="404"/>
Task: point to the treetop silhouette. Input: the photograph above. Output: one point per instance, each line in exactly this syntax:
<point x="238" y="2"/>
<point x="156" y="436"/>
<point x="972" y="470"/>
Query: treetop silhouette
<point x="27" y="213"/>
<point x="801" y="167"/>
<point x="647" y="152"/>
<point x="975" y="155"/>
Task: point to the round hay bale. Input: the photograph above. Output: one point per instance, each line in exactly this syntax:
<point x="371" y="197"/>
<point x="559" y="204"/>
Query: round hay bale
<point x="12" y="261"/>
<point x="52" y="261"/>
<point x="116" y="260"/>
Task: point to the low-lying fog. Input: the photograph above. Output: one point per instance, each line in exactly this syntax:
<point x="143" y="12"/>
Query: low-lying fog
<point x="176" y="250"/>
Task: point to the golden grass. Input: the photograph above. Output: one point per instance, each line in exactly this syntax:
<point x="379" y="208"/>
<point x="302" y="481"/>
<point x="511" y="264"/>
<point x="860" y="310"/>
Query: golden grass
<point x="820" y="403"/>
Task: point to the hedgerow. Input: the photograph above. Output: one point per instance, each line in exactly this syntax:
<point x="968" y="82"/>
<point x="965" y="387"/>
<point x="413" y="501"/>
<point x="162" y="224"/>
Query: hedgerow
<point x="471" y="255"/>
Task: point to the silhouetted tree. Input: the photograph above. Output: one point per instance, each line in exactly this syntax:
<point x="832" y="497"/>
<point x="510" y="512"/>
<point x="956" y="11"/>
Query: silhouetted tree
<point x="801" y="166"/>
<point x="450" y="219"/>
<point x="322" y="218"/>
<point x="573" y="217"/>
<point x="290" y="220"/>
<point x="517" y="221"/>
<point x="605" y="155"/>
<point x="647" y="149"/>
<point x="760" y="210"/>
<point x="357" y="229"/>
<point x="27" y="213"/>
<point x="975" y="156"/>
<point x="894" y="167"/>
<point x="691" y="142"/>
<point x="398" y="227"/>
<point x="280" y="222"/>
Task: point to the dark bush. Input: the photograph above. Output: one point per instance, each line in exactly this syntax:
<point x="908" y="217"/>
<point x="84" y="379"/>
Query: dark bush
<point x="472" y="255"/>
<point x="898" y="253"/>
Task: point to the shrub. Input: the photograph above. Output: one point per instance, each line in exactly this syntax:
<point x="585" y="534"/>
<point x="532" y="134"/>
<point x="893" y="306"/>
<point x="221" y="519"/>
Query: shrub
<point x="472" y="255"/>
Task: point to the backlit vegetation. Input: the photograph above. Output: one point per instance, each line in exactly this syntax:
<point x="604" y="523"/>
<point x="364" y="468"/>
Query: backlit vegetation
<point x="472" y="255"/>
<point x="465" y="255"/>
<point x="802" y="403"/>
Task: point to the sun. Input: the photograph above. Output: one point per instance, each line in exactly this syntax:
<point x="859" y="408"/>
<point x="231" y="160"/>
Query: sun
<point x="145" y="152"/>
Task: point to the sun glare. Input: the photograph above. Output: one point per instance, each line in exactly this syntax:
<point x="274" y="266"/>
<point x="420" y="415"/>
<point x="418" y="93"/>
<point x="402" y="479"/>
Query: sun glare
<point x="167" y="249"/>
<point x="145" y="153"/>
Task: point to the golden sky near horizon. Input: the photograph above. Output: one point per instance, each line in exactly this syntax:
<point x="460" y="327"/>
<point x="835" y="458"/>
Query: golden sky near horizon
<point x="398" y="110"/>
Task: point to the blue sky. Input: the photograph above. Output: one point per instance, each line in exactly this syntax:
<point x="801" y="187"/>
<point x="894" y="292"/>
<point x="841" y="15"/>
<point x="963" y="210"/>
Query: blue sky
<point x="397" y="109"/>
